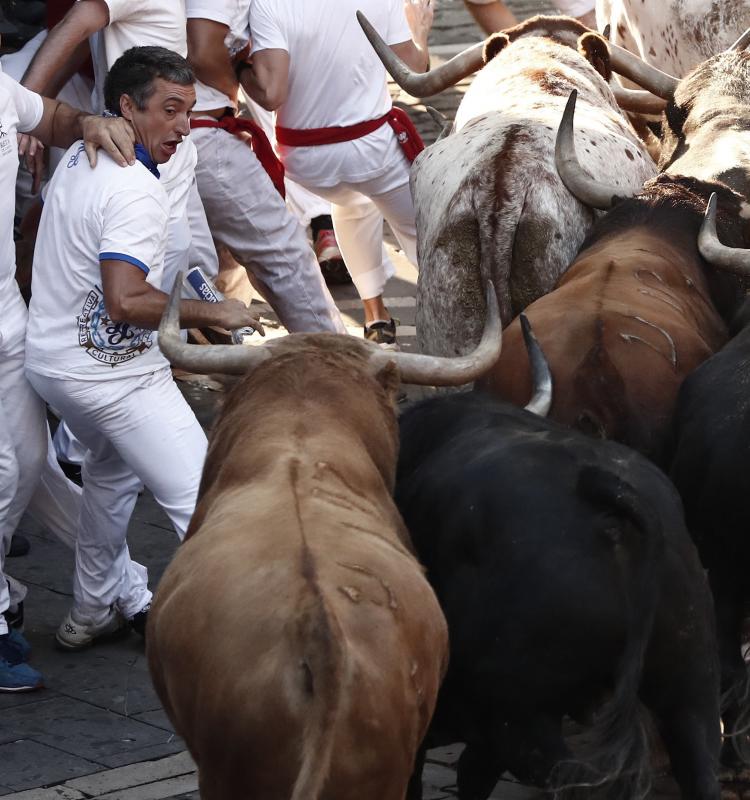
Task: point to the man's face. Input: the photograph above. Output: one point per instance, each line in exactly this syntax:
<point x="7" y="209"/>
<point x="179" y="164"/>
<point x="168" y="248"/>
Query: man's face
<point x="165" y="120"/>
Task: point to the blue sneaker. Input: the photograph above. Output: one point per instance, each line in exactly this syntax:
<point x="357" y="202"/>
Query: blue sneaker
<point x="14" y="648"/>
<point x="19" y="677"/>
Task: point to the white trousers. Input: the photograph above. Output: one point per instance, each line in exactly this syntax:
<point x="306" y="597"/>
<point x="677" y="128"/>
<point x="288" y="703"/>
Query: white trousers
<point x="357" y="210"/>
<point x="139" y="431"/>
<point x="30" y="477"/>
<point x="248" y="216"/>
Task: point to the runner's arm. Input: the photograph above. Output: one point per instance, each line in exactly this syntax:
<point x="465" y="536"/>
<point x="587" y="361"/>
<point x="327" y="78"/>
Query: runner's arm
<point x="129" y="298"/>
<point x="209" y="56"/>
<point x="266" y="78"/>
<point x="64" y="49"/>
<point x="61" y="125"/>
<point x="415" y="53"/>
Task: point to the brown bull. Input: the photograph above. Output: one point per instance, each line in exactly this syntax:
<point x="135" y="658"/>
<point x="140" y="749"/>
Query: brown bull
<point x="637" y="311"/>
<point x="294" y="640"/>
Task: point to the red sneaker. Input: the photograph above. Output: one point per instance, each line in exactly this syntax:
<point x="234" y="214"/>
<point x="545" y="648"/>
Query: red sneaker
<point x="329" y="257"/>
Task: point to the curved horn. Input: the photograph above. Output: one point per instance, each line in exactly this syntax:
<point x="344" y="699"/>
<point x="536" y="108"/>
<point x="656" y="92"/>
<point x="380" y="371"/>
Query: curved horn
<point x="423" y="84"/>
<point x="641" y="102"/>
<point x="629" y="65"/>
<point x="731" y="259"/>
<point x="426" y="370"/>
<point x="541" y="377"/>
<point x="587" y="190"/>
<point x="441" y="121"/>
<point x="229" y="359"/>
<point x="742" y="42"/>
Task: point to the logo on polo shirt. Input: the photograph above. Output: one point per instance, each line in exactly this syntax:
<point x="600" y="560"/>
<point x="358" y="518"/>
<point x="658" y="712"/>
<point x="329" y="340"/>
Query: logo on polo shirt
<point x="73" y="160"/>
<point x="6" y="146"/>
<point x="105" y="340"/>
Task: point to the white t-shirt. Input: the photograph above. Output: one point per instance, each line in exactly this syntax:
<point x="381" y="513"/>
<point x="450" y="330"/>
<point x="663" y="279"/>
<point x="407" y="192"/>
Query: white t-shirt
<point x="335" y="79"/>
<point x="235" y="14"/>
<point x="20" y="112"/>
<point x="134" y="23"/>
<point x="120" y="214"/>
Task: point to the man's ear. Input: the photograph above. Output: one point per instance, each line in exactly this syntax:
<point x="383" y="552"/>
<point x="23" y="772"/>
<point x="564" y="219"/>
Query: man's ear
<point x="594" y="49"/>
<point x="127" y="106"/>
<point x="494" y="45"/>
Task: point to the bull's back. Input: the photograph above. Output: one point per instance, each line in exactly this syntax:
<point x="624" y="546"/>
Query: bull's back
<point x="279" y="616"/>
<point x="618" y="352"/>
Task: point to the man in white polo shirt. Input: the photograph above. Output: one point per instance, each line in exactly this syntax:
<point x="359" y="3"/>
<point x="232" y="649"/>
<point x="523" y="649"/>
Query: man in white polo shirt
<point x="91" y="348"/>
<point x="337" y="132"/>
<point x="240" y="179"/>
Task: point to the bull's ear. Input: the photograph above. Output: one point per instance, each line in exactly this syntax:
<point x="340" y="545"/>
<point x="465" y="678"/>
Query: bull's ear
<point x="388" y="377"/>
<point x="594" y="49"/>
<point x="494" y="45"/>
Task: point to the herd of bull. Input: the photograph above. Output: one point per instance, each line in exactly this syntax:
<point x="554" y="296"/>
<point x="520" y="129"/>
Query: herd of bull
<point x="578" y="529"/>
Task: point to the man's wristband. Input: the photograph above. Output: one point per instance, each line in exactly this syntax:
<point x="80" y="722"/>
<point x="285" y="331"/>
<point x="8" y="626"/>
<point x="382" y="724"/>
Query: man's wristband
<point x="240" y="66"/>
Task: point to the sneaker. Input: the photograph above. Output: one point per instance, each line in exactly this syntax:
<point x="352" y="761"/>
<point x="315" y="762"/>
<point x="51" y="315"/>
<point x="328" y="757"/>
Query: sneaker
<point x="19" y="546"/>
<point x="329" y="257"/>
<point x="138" y="621"/>
<point x="15" y="618"/>
<point x="75" y="635"/>
<point x="383" y="333"/>
<point x="14" y="648"/>
<point x="18" y="677"/>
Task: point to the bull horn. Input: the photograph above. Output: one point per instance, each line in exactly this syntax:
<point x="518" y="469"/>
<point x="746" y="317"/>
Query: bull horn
<point x="425" y="370"/>
<point x="423" y="84"/>
<point x="742" y="42"/>
<point x="228" y="359"/>
<point x="641" y="102"/>
<point x="589" y="191"/>
<point x="731" y="259"/>
<point x="654" y="80"/>
<point x="541" y="377"/>
<point x="441" y="121"/>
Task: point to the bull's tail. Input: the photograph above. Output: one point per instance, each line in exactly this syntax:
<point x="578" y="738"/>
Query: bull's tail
<point x="616" y="764"/>
<point x="322" y="677"/>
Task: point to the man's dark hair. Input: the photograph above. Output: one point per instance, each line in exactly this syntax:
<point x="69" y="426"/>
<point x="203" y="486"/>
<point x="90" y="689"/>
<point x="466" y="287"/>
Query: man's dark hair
<point x="135" y="71"/>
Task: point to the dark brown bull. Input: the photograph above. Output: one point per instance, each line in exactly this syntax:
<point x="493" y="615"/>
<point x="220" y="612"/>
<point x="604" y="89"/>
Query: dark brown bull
<point x="637" y="311"/>
<point x="294" y="641"/>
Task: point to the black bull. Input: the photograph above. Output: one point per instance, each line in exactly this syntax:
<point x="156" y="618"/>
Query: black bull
<point x="561" y="563"/>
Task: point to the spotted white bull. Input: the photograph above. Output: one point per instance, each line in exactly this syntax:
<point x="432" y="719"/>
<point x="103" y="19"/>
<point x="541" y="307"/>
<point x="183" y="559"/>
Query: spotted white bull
<point x="489" y="202"/>
<point x="674" y="35"/>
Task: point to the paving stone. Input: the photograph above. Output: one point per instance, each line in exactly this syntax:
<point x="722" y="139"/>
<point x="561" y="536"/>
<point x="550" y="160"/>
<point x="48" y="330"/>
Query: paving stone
<point x="436" y="776"/>
<point x="79" y="729"/>
<point x="134" y="775"/>
<point x="120" y="684"/>
<point x="173" y="744"/>
<point x="52" y="793"/>
<point x="447" y="755"/>
<point x="27" y="764"/>
<point x="156" y="791"/>
<point x="157" y="718"/>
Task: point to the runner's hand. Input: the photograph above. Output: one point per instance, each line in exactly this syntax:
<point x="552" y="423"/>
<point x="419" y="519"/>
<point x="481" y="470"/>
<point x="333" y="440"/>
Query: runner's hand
<point x="30" y="148"/>
<point x="234" y="314"/>
<point x="419" y="16"/>
<point x="114" y="135"/>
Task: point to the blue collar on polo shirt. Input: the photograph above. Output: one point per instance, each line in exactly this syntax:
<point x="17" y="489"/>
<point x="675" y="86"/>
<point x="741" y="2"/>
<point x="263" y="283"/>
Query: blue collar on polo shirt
<point x="143" y="156"/>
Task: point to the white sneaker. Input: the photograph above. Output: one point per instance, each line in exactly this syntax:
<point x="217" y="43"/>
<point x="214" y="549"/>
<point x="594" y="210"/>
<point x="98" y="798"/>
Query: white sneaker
<point x="75" y="635"/>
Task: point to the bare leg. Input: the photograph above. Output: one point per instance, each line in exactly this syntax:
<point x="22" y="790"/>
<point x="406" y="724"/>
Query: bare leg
<point x="589" y="20"/>
<point x="492" y="16"/>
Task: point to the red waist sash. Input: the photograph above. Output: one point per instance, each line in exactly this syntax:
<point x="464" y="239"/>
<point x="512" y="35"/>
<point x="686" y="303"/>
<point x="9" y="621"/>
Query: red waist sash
<point x="407" y="135"/>
<point x="258" y="140"/>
